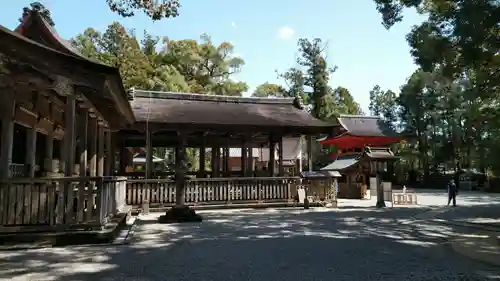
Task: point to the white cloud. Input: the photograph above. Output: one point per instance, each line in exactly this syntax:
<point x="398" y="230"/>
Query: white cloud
<point x="286" y="33"/>
<point x="233" y="25"/>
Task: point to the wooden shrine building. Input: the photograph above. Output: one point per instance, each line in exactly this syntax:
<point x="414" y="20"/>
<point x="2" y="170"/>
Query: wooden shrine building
<point x="184" y="120"/>
<point x="59" y="113"/>
<point x="363" y="150"/>
<point x="357" y="168"/>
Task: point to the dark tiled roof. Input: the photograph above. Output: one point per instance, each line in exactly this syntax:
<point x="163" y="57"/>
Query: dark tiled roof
<point x="342" y="162"/>
<point x="372" y="126"/>
<point x="188" y="108"/>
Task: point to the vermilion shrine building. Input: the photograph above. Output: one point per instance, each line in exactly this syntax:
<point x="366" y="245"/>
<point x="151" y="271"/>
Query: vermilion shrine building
<point x="363" y="144"/>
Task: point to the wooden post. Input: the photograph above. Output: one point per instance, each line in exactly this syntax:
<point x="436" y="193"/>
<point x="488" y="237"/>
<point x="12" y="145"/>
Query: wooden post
<point x="149" y="155"/>
<point x="109" y="153"/>
<point x="92" y="149"/>
<point x="180" y="170"/>
<point x="100" y="150"/>
<point x="83" y="120"/>
<point x="69" y="135"/>
<point x="9" y="108"/>
<point x="202" y="162"/>
<point x="281" y="169"/>
<point x="217" y="161"/>
<point x="31" y="151"/>
<point x="226" y="161"/>
<point x="272" y="156"/>
<point x="250" y="161"/>
<point x="83" y="137"/>
<point x="66" y="204"/>
<point x="49" y="154"/>
<point x="309" y="153"/>
<point x="213" y="161"/>
<point x="243" y="159"/>
<point x="112" y="154"/>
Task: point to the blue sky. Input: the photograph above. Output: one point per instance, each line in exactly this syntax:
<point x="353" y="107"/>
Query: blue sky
<point x="265" y="34"/>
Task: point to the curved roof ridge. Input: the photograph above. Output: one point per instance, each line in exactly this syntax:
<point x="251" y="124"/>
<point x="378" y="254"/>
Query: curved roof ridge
<point x="64" y="45"/>
<point x="358" y="116"/>
<point x="137" y="93"/>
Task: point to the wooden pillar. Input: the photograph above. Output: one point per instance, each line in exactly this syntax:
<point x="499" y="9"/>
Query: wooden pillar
<point x="100" y="150"/>
<point x="149" y="154"/>
<point x="31" y="152"/>
<point x="92" y="148"/>
<point x="281" y="169"/>
<point x="217" y="161"/>
<point x="69" y="135"/>
<point x="109" y="153"/>
<point x="180" y="169"/>
<point x="226" y="161"/>
<point x="244" y="159"/>
<point x="213" y="161"/>
<point x="272" y="156"/>
<point x="309" y="153"/>
<point x="49" y="154"/>
<point x="9" y="108"/>
<point x="202" y="162"/>
<point x="298" y="164"/>
<point x="112" y="154"/>
<point x="250" y="163"/>
<point x="83" y="140"/>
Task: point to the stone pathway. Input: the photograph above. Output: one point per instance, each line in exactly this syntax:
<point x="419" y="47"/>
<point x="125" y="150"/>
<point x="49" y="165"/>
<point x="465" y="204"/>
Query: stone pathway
<point x="274" y="244"/>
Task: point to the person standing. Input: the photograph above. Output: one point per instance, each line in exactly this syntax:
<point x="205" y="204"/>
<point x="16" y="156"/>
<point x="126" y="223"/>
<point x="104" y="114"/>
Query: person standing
<point x="452" y="192"/>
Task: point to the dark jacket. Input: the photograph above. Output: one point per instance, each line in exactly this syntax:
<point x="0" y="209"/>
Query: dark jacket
<point x="452" y="188"/>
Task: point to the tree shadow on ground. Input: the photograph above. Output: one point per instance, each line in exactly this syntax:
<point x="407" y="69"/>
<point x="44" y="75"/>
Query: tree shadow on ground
<point x="269" y="244"/>
<point x="484" y="214"/>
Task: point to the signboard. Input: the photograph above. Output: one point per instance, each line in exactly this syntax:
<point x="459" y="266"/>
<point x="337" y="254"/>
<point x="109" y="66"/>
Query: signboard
<point x="387" y="186"/>
<point x="373" y="186"/>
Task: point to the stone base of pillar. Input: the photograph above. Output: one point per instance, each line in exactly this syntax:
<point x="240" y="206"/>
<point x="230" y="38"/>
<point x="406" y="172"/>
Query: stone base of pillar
<point x="180" y="214"/>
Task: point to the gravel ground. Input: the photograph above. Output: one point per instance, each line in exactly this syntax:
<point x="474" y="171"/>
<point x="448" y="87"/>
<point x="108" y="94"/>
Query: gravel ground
<point x="346" y="244"/>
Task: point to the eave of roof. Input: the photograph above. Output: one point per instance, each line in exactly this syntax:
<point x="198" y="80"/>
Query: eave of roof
<point x="380" y="153"/>
<point x="65" y="47"/>
<point x="342" y="162"/>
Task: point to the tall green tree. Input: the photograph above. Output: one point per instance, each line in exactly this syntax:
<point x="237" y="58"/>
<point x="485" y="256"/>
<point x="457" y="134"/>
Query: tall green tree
<point x="154" y="9"/>
<point x="269" y="90"/>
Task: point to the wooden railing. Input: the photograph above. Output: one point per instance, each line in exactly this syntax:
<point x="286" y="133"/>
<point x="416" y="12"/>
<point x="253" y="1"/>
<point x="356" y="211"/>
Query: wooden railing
<point x="64" y="202"/>
<point x="212" y="190"/>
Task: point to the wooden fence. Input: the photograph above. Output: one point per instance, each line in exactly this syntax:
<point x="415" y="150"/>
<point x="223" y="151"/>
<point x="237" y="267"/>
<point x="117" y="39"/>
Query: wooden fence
<point x="212" y="190"/>
<point x="73" y="202"/>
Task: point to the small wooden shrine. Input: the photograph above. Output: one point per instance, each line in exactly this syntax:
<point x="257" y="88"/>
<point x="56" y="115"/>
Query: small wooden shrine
<point x="363" y="151"/>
